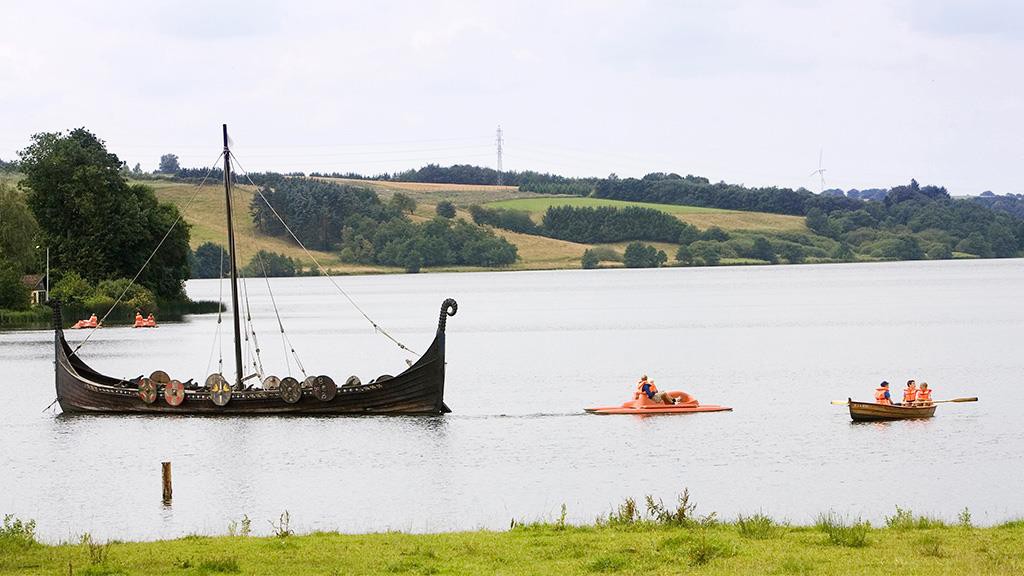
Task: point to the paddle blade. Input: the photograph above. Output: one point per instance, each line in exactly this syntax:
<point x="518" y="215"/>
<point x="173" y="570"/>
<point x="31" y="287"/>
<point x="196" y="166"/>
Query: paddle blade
<point x="840" y="402"/>
<point x="974" y="399"/>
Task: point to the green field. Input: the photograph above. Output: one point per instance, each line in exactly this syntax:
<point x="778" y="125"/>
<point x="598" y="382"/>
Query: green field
<point x="698" y="216"/>
<point x="546" y="549"/>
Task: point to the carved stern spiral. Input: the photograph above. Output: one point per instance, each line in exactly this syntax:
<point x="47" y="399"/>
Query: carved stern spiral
<point x="448" y="308"/>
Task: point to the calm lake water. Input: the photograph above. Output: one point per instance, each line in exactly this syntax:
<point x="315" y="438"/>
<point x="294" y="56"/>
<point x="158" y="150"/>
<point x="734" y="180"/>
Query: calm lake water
<point x="526" y="352"/>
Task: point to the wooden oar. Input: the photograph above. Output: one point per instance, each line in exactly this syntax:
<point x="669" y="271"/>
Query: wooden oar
<point x="973" y="399"/>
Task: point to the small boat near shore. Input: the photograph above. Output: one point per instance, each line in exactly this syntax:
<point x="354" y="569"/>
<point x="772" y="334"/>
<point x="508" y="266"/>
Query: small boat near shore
<point x="872" y="412"/>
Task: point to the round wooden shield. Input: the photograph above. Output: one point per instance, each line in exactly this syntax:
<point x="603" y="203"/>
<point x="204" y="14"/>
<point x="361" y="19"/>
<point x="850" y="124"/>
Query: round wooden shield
<point x="383" y="377"/>
<point x="220" y="390"/>
<point x="324" y="388"/>
<point x="174" y="393"/>
<point x="271" y="383"/>
<point x="160" y="377"/>
<point x="291" y="390"/>
<point x="352" y="381"/>
<point x="147" y="391"/>
<point x="309" y="382"/>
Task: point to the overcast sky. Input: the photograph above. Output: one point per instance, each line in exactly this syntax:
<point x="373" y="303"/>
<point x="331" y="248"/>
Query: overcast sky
<point x="742" y="91"/>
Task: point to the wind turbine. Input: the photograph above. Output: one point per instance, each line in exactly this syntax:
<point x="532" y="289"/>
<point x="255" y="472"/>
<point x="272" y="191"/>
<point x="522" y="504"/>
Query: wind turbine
<point x="820" y="171"/>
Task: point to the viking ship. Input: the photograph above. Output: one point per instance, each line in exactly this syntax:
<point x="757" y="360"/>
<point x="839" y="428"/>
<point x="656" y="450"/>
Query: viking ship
<point x="419" y="389"/>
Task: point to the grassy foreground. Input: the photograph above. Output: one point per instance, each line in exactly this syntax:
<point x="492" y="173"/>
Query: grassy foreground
<point x="749" y="546"/>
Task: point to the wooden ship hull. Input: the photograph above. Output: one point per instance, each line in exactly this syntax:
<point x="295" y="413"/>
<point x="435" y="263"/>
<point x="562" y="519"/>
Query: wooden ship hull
<point x="871" y="412"/>
<point x="417" y="390"/>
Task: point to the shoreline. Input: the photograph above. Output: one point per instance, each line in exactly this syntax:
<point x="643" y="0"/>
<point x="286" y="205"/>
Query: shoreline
<point x="628" y="541"/>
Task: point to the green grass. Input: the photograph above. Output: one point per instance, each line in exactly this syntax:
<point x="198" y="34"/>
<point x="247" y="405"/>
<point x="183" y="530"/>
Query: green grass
<point x="541" y="549"/>
<point x="700" y="217"/>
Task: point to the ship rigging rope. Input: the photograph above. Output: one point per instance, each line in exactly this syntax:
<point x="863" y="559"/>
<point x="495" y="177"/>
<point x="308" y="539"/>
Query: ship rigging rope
<point x="286" y="342"/>
<point x="181" y="214"/>
<point x="323" y="272"/>
<point x="220" y="316"/>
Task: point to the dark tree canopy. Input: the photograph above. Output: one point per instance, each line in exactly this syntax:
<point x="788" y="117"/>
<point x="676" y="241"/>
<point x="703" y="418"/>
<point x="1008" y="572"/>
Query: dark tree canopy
<point x="445" y="209"/>
<point x="168" y="164"/>
<point x="210" y="261"/>
<point x="95" y="222"/>
<point x="19" y="232"/>
<point x="316" y="211"/>
<point x="271" y="265"/>
<point x="640" y="255"/>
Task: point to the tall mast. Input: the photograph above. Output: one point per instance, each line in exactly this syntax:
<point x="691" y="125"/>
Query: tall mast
<point x="234" y="264"/>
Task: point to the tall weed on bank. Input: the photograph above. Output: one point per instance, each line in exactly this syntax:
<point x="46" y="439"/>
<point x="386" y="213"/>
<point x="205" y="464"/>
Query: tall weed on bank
<point x="842" y="533"/>
<point x="17" y="532"/>
<point x="904" y="519"/>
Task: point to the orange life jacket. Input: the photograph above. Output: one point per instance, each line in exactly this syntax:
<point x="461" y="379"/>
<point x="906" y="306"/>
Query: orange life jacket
<point x="910" y="394"/>
<point x="880" y="396"/>
<point x="924" y="395"/>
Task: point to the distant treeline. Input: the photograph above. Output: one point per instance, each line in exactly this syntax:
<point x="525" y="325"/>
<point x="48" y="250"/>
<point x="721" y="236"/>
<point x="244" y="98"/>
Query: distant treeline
<point x="466" y="174"/>
<point x="587" y="225"/>
<point x="1009" y="203"/>
<point x="6" y="166"/>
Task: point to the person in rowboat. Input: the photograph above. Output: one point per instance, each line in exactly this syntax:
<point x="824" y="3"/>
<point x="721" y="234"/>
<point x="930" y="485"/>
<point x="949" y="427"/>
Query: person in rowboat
<point x="924" y="395"/>
<point x="910" y="393"/>
<point x="882" y="394"/>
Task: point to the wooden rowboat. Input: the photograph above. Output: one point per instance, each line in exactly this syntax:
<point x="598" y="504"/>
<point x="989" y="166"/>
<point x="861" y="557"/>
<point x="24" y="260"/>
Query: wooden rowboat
<point x="871" y="412"/>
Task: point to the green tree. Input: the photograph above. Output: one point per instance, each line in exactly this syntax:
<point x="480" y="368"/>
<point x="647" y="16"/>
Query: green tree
<point x="210" y="261"/>
<point x="96" y="223"/>
<point x="939" y="251"/>
<point x="445" y="209"/>
<point x="18" y="230"/>
<point x="684" y="255"/>
<point x="843" y="252"/>
<point x="413" y="262"/>
<point x="402" y="203"/>
<point x="793" y="253"/>
<point x="135" y="295"/>
<point x="72" y="289"/>
<point x="168" y="164"/>
<point x="270" y="264"/>
<point x="589" y="259"/>
<point x="709" y="255"/>
<point x="817" y="221"/>
<point x="13" y="294"/>
<point x="714" y="234"/>
<point x="640" y="255"/>
<point x="763" y="250"/>
<point x="905" y="247"/>
<point x="976" y="244"/>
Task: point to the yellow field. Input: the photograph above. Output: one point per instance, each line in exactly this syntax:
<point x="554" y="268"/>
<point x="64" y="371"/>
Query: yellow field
<point x="698" y="216"/>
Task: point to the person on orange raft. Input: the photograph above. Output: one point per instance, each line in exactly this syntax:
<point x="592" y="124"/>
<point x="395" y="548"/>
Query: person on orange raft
<point x="910" y="393"/>
<point x="882" y="394"/>
<point x="924" y="395"/>
<point x="139" y="322"/>
<point x="647" y="388"/>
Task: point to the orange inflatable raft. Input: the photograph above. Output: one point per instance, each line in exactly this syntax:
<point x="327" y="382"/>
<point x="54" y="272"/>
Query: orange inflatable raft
<point x="682" y="403"/>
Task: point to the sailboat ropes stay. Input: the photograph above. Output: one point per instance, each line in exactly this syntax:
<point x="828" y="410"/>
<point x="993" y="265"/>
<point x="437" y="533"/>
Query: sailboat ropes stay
<point x="417" y="390"/>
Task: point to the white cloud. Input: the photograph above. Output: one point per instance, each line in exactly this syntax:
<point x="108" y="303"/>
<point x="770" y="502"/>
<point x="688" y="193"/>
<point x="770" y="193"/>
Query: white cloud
<point x="742" y="91"/>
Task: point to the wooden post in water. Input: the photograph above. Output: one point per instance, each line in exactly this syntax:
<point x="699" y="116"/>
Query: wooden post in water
<point x="166" y="469"/>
